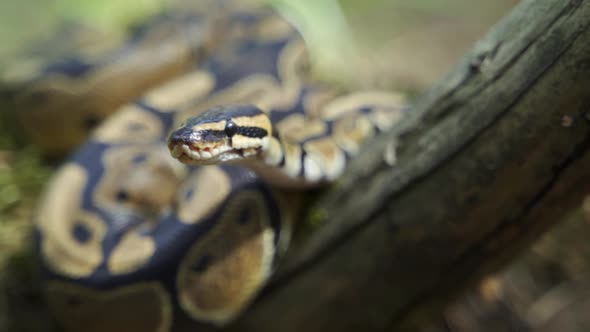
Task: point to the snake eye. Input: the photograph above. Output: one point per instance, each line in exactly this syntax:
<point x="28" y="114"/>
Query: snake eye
<point x="231" y="128"/>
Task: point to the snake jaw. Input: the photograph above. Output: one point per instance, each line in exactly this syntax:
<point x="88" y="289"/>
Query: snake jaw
<point x="207" y="156"/>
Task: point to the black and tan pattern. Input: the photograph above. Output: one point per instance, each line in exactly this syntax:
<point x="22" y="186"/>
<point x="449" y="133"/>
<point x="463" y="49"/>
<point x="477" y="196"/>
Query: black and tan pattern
<point x="301" y="149"/>
<point x="132" y="240"/>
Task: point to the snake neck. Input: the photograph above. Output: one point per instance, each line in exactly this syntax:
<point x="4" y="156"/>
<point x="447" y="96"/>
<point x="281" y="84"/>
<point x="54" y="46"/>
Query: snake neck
<point x="286" y="164"/>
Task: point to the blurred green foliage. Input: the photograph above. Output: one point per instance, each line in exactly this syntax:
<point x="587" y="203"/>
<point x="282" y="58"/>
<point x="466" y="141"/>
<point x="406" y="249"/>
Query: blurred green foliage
<point x="22" y="21"/>
<point x="22" y="176"/>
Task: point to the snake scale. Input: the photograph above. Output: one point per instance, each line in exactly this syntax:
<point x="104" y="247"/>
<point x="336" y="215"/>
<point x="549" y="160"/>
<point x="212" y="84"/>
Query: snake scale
<point x="131" y="239"/>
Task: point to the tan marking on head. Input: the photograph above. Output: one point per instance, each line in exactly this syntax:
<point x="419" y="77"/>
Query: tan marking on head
<point x="219" y="125"/>
<point x="59" y="213"/>
<point x="260" y="121"/>
<point x="132" y="252"/>
<point x="142" y="307"/>
<point x="203" y="200"/>
<point x="181" y="91"/>
<point x="221" y="273"/>
<point x="243" y="142"/>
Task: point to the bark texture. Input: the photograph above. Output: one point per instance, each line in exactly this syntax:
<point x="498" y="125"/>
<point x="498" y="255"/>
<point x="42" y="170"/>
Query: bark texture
<point x="487" y="160"/>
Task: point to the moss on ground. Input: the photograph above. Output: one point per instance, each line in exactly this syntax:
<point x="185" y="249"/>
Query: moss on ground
<point x="22" y="175"/>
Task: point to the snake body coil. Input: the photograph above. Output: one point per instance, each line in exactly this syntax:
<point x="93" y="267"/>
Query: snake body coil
<point x="133" y="240"/>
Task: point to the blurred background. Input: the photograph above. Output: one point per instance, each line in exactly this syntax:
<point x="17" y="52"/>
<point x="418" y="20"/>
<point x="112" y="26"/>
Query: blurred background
<point x="396" y="44"/>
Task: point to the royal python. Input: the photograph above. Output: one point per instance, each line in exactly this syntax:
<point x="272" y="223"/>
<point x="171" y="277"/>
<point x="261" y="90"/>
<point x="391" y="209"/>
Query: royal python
<point x="131" y="239"/>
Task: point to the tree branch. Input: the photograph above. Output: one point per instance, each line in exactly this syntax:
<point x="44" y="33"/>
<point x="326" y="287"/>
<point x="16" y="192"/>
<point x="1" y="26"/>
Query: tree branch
<point x="487" y="160"/>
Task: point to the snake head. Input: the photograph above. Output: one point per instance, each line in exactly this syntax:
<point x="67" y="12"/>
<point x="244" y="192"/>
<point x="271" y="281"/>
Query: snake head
<point x="221" y="134"/>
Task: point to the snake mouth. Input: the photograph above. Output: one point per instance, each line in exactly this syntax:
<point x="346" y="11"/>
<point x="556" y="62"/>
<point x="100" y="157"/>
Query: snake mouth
<point x="206" y="156"/>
